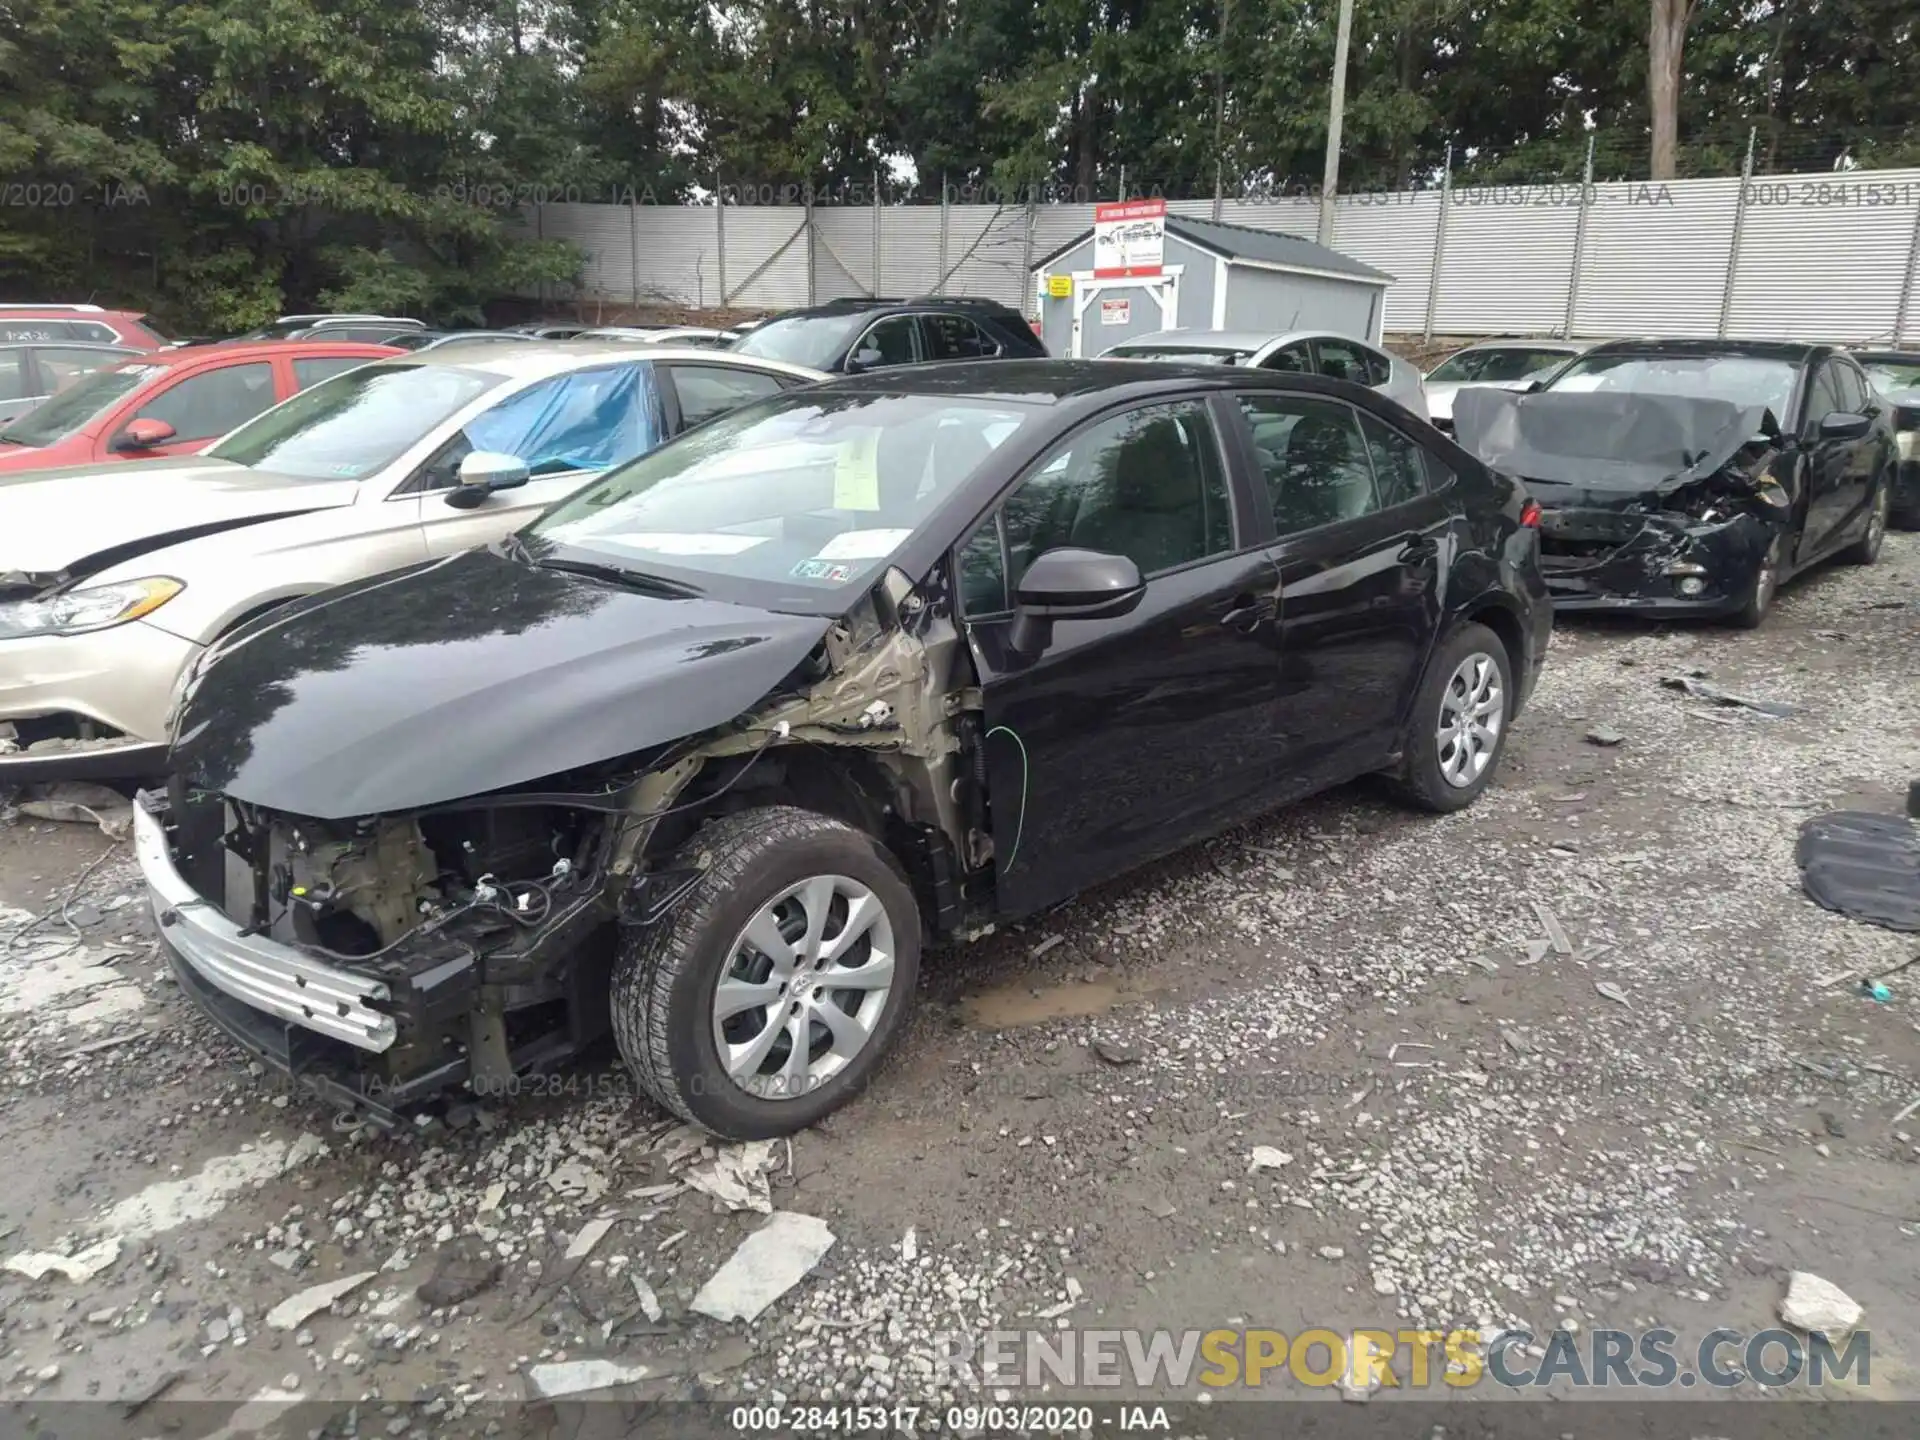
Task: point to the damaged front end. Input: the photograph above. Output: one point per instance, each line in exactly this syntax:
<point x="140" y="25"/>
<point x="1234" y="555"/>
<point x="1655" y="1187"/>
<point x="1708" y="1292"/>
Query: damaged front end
<point x="1656" y="504"/>
<point x="382" y="959"/>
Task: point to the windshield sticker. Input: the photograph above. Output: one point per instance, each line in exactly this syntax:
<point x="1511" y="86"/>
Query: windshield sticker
<point x="856" y="474"/>
<point x="863" y="545"/>
<point x="823" y="570"/>
<point x="662" y="544"/>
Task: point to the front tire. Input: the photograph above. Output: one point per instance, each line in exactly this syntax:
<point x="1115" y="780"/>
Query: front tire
<point x="1459" y="723"/>
<point x="764" y="1000"/>
<point x="1766" y="585"/>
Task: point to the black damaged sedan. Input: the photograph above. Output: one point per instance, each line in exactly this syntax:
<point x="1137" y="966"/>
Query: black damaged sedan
<point x="710" y="753"/>
<point x="1691" y="478"/>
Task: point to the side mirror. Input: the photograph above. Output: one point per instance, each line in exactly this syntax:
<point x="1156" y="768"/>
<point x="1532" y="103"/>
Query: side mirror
<point x="1843" y="425"/>
<point x="482" y="473"/>
<point x="866" y="359"/>
<point x="1071" y="585"/>
<point x="142" y="434"/>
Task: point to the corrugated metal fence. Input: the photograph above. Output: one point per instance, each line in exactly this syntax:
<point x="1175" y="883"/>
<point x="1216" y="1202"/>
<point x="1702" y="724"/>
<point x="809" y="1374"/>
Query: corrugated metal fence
<point x="1829" y="256"/>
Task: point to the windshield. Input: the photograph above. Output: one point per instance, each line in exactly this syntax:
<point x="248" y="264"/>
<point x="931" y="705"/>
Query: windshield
<point x="812" y="340"/>
<point x="354" y="424"/>
<point x="66" y="413"/>
<point x="1489" y="366"/>
<point x="809" y="490"/>
<point x="1190" y="354"/>
<point x="1741" y="379"/>
<point x="1890" y="375"/>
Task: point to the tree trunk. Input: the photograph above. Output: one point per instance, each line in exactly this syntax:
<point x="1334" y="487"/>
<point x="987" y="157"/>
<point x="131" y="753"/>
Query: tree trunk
<point x="1665" y="40"/>
<point x="1086" y="140"/>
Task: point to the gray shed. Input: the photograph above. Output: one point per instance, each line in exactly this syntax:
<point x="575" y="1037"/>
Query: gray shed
<point x="1214" y="276"/>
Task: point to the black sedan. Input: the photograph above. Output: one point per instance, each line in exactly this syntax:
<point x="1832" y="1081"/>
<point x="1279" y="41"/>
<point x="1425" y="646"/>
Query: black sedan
<point x="1691" y="478"/>
<point x="709" y="752"/>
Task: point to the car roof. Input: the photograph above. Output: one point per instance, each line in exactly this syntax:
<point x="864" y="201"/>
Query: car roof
<point x="1528" y="342"/>
<point x="1050" y="382"/>
<point x="536" y="359"/>
<point x="1794" y="350"/>
<point x="1898" y="357"/>
<point x="264" y="349"/>
<point x="863" y="306"/>
<point x="111" y="347"/>
<point x="1235" y="339"/>
<point x="66" y="312"/>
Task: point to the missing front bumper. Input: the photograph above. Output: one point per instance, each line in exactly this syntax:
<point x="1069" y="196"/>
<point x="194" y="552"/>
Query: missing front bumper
<point x="1659" y="563"/>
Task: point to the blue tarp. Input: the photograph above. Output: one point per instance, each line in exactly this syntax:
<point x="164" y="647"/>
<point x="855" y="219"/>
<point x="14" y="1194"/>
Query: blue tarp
<point x="588" y="420"/>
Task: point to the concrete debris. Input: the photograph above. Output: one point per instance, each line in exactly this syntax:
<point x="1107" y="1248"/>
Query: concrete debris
<point x="737" y="1177"/>
<point x="1818" y="1307"/>
<point x="591" y="1234"/>
<point x="462" y="1268"/>
<point x="1045" y="945"/>
<point x="80" y="804"/>
<point x="577" y="1182"/>
<point x="577" y="1377"/>
<point x="162" y="1383"/>
<point x="1612" y="991"/>
<point x="1537" y="951"/>
<point x="296" y="1310"/>
<point x="769" y="1262"/>
<point x="1555" y="932"/>
<point x="1265" y="1157"/>
<point x="1332" y="1252"/>
<point x="649" y="1302"/>
<point x="1114" y="1053"/>
<point x="1483" y="963"/>
<point x="1605" y="736"/>
<point x="910" y="1246"/>
<point x="79" y="1268"/>
<point x="496" y="1192"/>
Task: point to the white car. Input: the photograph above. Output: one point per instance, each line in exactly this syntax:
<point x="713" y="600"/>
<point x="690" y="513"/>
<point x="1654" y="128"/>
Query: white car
<point x="114" y="579"/>
<point x="1305" y="352"/>
<point x="672" y="335"/>
<point x="1507" y="364"/>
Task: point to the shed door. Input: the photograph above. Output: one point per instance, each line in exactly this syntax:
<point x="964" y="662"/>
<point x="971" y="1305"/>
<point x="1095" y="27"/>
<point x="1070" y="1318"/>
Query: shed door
<point x="1106" y="312"/>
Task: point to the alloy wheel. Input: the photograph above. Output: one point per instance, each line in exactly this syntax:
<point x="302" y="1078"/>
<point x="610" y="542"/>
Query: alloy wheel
<point x="804" y="985"/>
<point x="1472" y="711"/>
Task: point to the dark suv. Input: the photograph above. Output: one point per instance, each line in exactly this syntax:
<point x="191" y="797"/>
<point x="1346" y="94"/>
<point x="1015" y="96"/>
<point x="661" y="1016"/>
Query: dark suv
<point x="850" y="336"/>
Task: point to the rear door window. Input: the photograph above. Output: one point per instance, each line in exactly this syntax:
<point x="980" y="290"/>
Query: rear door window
<point x="954" y="337"/>
<point x="1342" y="360"/>
<point x="1291" y="358"/>
<point x="315" y="368"/>
<point x="208" y="405"/>
<point x="1399" y="469"/>
<point x="1315" y="460"/>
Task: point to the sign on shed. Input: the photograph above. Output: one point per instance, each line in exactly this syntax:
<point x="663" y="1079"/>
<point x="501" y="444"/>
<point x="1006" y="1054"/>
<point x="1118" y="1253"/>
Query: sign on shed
<point x="1116" y="312"/>
<point x="1129" y="237"/>
<point x="1060" y="287"/>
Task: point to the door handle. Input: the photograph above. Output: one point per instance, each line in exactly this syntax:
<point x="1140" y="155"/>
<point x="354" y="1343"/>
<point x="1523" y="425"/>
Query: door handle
<point x="1247" y="613"/>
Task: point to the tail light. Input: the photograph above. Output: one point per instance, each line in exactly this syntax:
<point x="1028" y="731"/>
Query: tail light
<point x="1530" y="514"/>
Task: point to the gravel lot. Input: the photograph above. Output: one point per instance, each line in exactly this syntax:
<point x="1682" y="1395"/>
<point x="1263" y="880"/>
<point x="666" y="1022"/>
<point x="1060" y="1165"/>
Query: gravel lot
<point x="1481" y="1129"/>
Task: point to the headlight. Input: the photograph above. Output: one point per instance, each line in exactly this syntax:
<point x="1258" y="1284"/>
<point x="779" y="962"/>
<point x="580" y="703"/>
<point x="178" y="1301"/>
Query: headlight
<point x="93" y="607"/>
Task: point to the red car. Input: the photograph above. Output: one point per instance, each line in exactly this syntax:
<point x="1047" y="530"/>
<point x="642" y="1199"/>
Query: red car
<point x="172" y="402"/>
<point x="43" y="323"/>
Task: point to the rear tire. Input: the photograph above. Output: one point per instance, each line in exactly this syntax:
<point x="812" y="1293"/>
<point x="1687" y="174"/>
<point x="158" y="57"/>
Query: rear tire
<point x="1458" y="727"/>
<point x="1866" y="549"/>
<point x="800" y="882"/>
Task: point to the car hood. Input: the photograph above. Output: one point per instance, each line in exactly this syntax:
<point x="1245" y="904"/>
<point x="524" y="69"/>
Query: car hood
<point x="58" y="520"/>
<point x="465" y="676"/>
<point x="1605" y="443"/>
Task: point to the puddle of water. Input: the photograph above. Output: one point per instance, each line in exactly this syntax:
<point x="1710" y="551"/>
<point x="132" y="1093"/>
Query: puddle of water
<point x="1006" y="1007"/>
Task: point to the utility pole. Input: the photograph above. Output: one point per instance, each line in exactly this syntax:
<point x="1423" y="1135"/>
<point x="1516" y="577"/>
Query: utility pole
<point x="1331" y="182"/>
